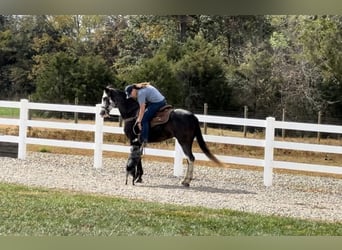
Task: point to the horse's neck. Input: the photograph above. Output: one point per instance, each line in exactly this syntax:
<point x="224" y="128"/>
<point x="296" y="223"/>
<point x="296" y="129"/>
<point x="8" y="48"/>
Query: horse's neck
<point x="126" y="109"/>
<point x="126" y="112"/>
<point x="127" y="115"/>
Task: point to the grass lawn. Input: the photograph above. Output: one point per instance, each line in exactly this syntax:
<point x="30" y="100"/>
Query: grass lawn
<point x="9" y="112"/>
<point x="44" y="212"/>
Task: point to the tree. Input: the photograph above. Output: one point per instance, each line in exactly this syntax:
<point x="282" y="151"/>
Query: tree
<point x="15" y="54"/>
<point x="322" y="39"/>
<point x="91" y="74"/>
<point x="266" y="62"/>
<point x="60" y="78"/>
<point x="142" y="38"/>
<point x="254" y="86"/>
<point x="202" y="74"/>
<point x="297" y="77"/>
<point x="7" y="56"/>
<point x="157" y="70"/>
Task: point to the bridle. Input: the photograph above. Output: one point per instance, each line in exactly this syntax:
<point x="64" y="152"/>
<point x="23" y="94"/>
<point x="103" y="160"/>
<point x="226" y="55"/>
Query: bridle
<point x="107" y="111"/>
<point x="107" y="105"/>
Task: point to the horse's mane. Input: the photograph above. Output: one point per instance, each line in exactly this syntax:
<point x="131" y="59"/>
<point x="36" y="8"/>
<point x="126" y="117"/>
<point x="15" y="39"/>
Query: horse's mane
<point x="128" y="107"/>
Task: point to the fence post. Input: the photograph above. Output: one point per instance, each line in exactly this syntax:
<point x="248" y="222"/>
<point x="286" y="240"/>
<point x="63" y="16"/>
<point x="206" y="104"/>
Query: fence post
<point x="205" y="112"/>
<point x="245" y="115"/>
<point x="98" y="140"/>
<point x="178" y="162"/>
<point x="23" y="117"/>
<point x="319" y="121"/>
<point x="268" y="151"/>
<point x="76" y="114"/>
<point x="283" y="119"/>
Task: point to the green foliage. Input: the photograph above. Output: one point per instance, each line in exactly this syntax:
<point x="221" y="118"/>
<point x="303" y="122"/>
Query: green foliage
<point x="278" y="40"/>
<point x="44" y="150"/>
<point x="202" y="74"/>
<point x="54" y="78"/>
<point x="254" y="86"/>
<point x="9" y="112"/>
<point x="322" y="40"/>
<point x="188" y="75"/>
<point x="265" y="62"/>
<point x="158" y="71"/>
<point x="41" y="212"/>
<point x="60" y="78"/>
<point x="91" y="76"/>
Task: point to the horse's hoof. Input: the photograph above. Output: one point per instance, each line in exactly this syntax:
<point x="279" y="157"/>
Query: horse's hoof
<point x="185" y="184"/>
<point x="139" y="181"/>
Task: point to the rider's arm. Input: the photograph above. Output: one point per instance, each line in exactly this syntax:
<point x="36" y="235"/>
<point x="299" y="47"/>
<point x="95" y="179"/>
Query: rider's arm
<point x="141" y="112"/>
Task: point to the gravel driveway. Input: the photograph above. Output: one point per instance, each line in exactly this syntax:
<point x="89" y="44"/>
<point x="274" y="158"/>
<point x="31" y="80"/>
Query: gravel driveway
<point x="300" y="196"/>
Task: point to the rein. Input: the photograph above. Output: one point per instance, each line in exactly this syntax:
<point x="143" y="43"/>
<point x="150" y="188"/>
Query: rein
<point x="132" y="119"/>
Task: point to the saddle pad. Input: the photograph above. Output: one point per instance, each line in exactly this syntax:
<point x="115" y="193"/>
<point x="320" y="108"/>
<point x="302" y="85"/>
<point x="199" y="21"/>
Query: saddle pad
<point x="162" y="116"/>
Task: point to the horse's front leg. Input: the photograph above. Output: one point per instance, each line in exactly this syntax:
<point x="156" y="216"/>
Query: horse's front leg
<point x="189" y="174"/>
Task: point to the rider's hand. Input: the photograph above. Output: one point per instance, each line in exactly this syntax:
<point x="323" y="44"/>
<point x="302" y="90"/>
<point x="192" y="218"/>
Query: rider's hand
<point x="139" y="125"/>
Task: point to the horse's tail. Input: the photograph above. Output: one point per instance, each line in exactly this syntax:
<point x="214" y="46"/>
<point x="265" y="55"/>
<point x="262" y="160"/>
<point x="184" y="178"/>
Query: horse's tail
<point x="203" y="145"/>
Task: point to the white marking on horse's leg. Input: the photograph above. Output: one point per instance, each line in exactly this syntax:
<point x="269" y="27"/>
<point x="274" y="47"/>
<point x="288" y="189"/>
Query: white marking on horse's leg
<point x="191" y="170"/>
<point x="188" y="176"/>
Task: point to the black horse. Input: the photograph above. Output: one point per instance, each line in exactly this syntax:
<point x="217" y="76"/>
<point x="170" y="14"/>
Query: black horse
<point x="182" y="124"/>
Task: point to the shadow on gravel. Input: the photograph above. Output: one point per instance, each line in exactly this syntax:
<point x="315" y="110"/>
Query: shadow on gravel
<point x="203" y="189"/>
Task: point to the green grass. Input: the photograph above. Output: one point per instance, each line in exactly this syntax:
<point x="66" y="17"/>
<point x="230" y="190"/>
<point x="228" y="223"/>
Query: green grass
<point x="9" y="112"/>
<point x="44" y="150"/>
<point x="43" y="212"/>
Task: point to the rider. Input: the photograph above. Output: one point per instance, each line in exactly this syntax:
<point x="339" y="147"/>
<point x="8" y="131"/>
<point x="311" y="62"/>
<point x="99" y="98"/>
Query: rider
<point x="150" y="101"/>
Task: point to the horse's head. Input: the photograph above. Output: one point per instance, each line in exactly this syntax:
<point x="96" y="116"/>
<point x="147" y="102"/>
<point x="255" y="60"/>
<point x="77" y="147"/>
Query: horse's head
<point x="109" y="101"/>
<point x="114" y="98"/>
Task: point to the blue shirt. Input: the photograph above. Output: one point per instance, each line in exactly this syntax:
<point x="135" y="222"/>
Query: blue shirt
<point x="149" y="94"/>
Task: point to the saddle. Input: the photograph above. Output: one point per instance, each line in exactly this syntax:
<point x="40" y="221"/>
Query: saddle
<point x="162" y="116"/>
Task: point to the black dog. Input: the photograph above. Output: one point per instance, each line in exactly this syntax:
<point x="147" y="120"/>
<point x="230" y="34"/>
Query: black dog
<point x="134" y="167"/>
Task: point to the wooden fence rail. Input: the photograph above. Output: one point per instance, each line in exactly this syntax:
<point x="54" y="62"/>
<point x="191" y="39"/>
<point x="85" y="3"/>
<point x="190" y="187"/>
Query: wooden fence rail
<point x="268" y="143"/>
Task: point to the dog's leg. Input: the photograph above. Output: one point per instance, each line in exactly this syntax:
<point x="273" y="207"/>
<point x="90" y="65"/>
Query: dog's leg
<point x="139" y="171"/>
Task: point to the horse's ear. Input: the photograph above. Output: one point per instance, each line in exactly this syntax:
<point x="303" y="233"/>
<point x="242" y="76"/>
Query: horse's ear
<point x="106" y="89"/>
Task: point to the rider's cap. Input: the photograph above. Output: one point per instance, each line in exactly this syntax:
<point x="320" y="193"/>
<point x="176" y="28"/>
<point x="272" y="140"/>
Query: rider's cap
<point x="128" y="90"/>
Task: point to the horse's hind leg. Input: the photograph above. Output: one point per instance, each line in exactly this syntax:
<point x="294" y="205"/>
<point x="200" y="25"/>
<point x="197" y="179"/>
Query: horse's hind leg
<point x="190" y="169"/>
<point x="189" y="174"/>
<point x="190" y="159"/>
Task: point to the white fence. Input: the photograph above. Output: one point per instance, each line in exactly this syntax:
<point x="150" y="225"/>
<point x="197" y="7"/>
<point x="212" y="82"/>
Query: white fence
<point x="268" y="143"/>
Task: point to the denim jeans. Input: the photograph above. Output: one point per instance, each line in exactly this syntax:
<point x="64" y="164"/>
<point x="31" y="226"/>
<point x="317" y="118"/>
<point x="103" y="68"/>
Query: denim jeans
<point x="150" y="112"/>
